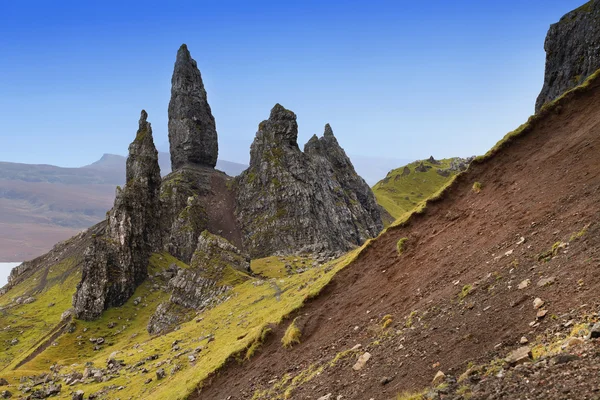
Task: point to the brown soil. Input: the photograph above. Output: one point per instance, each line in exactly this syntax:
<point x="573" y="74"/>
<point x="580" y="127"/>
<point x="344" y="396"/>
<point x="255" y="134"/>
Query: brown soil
<point x="544" y="187"/>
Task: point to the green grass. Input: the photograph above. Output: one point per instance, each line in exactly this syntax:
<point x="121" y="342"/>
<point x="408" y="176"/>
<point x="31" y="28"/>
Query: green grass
<point x="477" y="187"/>
<point x="239" y="326"/>
<point x="399" y="193"/>
<point x="292" y="335"/>
<point x="400" y="245"/>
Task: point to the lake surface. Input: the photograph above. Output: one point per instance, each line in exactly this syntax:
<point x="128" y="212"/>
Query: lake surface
<point x="5" y="271"/>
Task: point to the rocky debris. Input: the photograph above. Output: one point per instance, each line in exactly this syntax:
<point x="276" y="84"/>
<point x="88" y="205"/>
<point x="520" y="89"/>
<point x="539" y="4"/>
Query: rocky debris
<point x="438" y="379"/>
<point x="422" y="167"/>
<point x="46" y="391"/>
<point x="3" y="382"/>
<point x="5" y="394"/>
<point x="571" y="51"/>
<point x="201" y="285"/>
<point x="546" y="281"/>
<point x="432" y="160"/>
<point x="595" y="331"/>
<point x="519" y="356"/>
<point x="362" y="361"/>
<point x="160" y="373"/>
<point x="525" y="283"/>
<point x="192" y="129"/>
<point x="538" y="303"/>
<point x="289" y="201"/>
<point x="78" y="395"/>
<point x="116" y="262"/>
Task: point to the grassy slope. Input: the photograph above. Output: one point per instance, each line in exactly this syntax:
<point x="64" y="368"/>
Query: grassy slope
<point x="236" y="324"/>
<point x="399" y="193"/>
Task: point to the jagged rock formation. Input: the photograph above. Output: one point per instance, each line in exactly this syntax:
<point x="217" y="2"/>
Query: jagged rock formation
<point x="289" y="201"/>
<point x="116" y="262"/>
<point x="572" y="51"/>
<point x="214" y="263"/>
<point x="192" y="130"/>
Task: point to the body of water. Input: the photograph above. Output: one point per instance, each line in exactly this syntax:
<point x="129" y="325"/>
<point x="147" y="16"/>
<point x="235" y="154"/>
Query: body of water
<point x="5" y="271"/>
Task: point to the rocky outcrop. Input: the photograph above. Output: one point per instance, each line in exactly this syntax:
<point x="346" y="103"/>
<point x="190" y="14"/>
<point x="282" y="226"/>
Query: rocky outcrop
<point x="215" y="266"/>
<point x="116" y="262"/>
<point x="192" y="130"/>
<point x="572" y="51"/>
<point x="289" y="201"/>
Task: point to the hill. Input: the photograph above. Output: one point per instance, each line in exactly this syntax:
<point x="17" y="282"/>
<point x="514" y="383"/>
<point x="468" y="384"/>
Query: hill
<point x="43" y="204"/>
<point x="405" y="187"/>
<point x="438" y="292"/>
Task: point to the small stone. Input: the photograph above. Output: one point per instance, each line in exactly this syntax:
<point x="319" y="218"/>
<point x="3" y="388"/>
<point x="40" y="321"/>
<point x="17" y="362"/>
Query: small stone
<point x="78" y="395"/>
<point x="563" y="359"/>
<point x="524" y="284"/>
<point x="519" y="356"/>
<point x="5" y="394"/>
<point x="160" y="373"/>
<point x="541" y="314"/>
<point x="595" y="331"/>
<point x="3" y="382"/>
<point x="438" y="379"/>
<point x="385" y="380"/>
<point x="326" y="397"/>
<point x="538" y="303"/>
<point x="362" y="360"/>
<point x="546" y="281"/>
<point x="523" y="340"/>
<point x="147" y="381"/>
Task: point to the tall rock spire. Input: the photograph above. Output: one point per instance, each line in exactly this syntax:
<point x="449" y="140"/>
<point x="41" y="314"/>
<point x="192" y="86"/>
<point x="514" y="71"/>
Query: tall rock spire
<point x="116" y="263"/>
<point x="192" y="130"/>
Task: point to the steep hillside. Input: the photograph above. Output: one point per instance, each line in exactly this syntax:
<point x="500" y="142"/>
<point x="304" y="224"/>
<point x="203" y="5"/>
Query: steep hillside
<point x="405" y="187"/>
<point x="455" y="285"/>
<point x="155" y="298"/>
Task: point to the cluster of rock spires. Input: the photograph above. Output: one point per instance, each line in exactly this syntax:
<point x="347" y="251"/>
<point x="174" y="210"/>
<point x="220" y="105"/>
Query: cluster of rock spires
<point x="288" y="201"/>
<point x="572" y="51"/>
<point x="311" y="201"/>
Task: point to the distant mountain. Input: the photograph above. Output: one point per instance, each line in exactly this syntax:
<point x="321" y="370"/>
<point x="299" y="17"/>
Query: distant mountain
<point x="116" y="163"/>
<point x="41" y="205"/>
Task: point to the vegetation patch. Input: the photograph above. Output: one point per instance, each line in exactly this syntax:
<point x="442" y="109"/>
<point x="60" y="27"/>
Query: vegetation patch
<point x="400" y="245"/>
<point x="399" y="192"/>
<point x="292" y="335"/>
<point x="477" y="187"/>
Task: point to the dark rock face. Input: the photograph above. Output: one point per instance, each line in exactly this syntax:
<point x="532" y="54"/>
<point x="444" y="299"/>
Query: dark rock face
<point x="289" y="201"/>
<point x="116" y="262"/>
<point x="203" y="284"/>
<point x="192" y="130"/>
<point x="572" y="51"/>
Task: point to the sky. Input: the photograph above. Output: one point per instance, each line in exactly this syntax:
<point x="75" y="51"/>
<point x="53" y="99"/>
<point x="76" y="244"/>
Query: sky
<point x="395" y="79"/>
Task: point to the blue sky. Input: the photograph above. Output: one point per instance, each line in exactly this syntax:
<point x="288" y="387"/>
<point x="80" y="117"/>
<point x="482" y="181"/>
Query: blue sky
<point x="396" y="79"/>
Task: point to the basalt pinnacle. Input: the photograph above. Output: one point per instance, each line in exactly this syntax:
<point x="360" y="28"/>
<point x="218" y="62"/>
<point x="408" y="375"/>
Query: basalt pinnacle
<point x="192" y="129"/>
<point x="116" y="262"/>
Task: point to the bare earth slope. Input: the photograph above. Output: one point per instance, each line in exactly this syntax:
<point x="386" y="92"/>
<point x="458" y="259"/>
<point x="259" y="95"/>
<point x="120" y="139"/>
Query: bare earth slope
<point x="537" y="193"/>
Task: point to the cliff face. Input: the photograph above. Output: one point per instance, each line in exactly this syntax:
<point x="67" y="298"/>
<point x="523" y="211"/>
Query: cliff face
<point x="289" y="201"/>
<point x="572" y="51"/>
<point x="192" y="130"/>
<point x="116" y="262"/>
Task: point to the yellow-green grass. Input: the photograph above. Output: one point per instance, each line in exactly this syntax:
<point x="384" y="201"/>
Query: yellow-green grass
<point x="399" y="193"/>
<point x="292" y="335"/>
<point x="236" y="325"/>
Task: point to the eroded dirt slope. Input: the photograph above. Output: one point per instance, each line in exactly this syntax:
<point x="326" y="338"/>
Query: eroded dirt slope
<point x="538" y="192"/>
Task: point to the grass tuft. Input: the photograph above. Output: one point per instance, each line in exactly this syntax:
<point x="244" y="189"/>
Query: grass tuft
<point x="292" y="335"/>
<point x="400" y="245"/>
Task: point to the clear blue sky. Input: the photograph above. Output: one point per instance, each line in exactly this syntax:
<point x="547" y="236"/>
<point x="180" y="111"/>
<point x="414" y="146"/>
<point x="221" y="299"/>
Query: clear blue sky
<point x="397" y="79"/>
